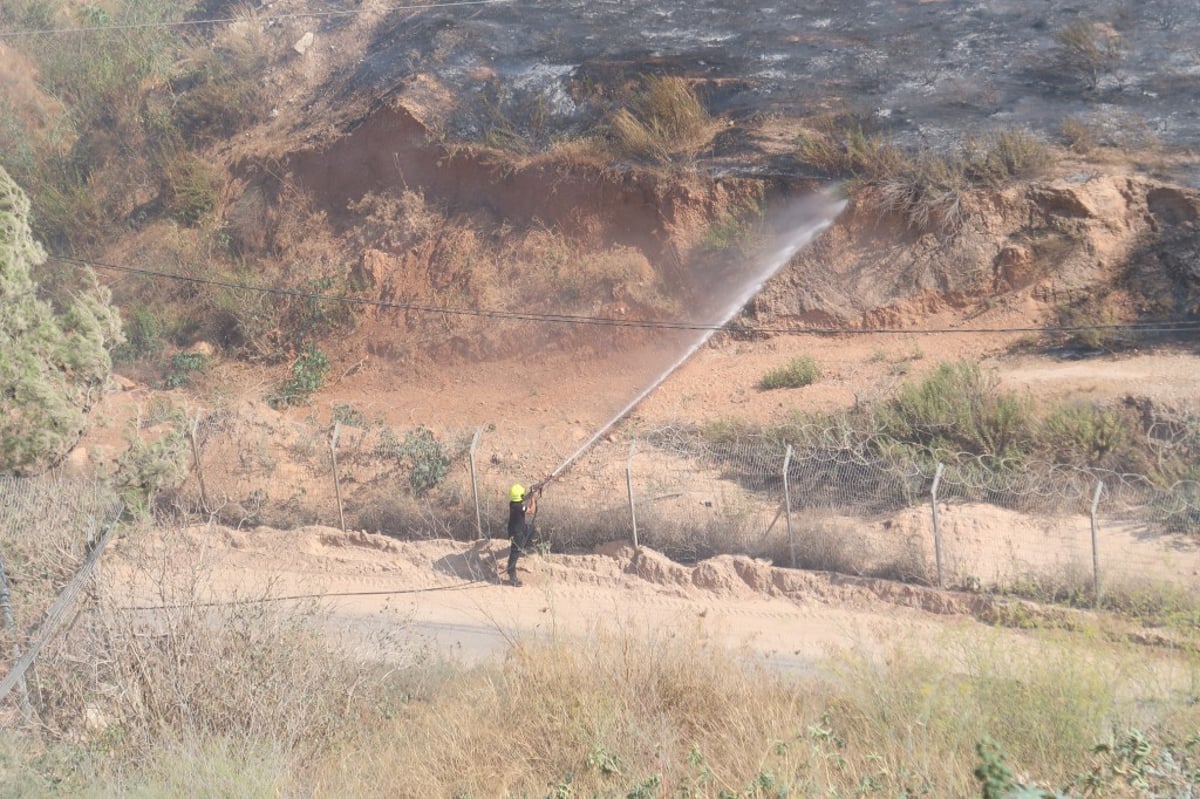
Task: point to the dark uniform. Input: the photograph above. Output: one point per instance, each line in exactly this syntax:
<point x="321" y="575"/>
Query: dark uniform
<point x="520" y="531"/>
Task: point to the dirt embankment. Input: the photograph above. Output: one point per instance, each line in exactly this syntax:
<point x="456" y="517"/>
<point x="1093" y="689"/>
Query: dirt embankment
<point x="1127" y="245"/>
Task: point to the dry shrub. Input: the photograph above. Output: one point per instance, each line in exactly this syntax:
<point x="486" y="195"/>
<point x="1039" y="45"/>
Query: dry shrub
<point x="928" y="194"/>
<point x="1088" y="49"/>
<point x="396" y="221"/>
<point x="221" y="92"/>
<point x="1081" y="137"/>
<point x="930" y="191"/>
<point x="838" y="145"/>
<point x="600" y="717"/>
<point x="259" y="671"/>
<point x="664" y="120"/>
<point x="826" y="542"/>
<point x="45" y="524"/>
<point x="667" y="714"/>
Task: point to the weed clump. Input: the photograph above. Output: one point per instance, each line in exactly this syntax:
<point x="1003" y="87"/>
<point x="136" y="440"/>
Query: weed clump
<point x="308" y="375"/>
<point x="929" y="191"/>
<point x="958" y="409"/>
<point x="798" y="372"/>
<point x="661" y="122"/>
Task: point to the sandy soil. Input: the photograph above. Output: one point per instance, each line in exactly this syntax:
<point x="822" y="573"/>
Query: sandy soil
<point x="448" y="594"/>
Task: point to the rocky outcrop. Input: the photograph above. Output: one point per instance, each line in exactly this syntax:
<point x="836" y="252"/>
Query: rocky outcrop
<point x="1056" y="240"/>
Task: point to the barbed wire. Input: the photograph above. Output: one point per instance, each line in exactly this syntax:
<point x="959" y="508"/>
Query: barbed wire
<point x="840" y="505"/>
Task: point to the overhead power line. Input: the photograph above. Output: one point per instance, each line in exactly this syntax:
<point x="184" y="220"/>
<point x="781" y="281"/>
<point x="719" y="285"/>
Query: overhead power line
<point x="1159" y="326"/>
<point x="220" y="20"/>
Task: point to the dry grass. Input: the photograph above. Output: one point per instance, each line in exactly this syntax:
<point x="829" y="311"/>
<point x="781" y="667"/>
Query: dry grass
<point x="838" y="145"/>
<point x="667" y="715"/>
<point x="254" y="699"/>
<point x="931" y="191"/>
<point x="662" y="122"/>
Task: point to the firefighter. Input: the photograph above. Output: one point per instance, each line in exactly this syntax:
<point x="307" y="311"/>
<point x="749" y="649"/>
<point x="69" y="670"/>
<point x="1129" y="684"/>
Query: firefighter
<point x="522" y="507"/>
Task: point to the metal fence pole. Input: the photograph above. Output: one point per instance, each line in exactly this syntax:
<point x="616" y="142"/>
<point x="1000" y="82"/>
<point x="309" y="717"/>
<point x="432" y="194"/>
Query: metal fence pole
<point x="787" y="503"/>
<point x="1095" y="549"/>
<point x="196" y="462"/>
<point x="337" y="483"/>
<point x="937" y="529"/>
<point x="58" y="610"/>
<point x="629" y="488"/>
<point x="475" y="486"/>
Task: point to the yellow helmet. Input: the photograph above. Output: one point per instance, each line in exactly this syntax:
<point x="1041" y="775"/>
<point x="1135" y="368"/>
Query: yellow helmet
<point x="516" y="493"/>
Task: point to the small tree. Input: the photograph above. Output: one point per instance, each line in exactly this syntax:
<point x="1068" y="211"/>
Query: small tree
<point x="52" y="362"/>
<point x="1089" y="50"/>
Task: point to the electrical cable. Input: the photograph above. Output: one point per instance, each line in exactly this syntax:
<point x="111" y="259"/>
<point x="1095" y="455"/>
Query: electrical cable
<point x="222" y="20"/>
<point x="1157" y="326"/>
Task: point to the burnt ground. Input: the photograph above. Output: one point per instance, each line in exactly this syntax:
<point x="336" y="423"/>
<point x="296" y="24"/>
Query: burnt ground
<point x="925" y="72"/>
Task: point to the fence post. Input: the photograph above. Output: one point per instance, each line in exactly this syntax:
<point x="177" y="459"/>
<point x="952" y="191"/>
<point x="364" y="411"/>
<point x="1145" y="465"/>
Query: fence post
<point x="629" y="488"/>
<point x="11" y="625"/>
<point x="475" y="486"/>
<point x="337" y="483"/>
<point x="196" y="462"/>
<point x="937" y="528"/>
<point x="1095" y="550"/>
<point x="787" y="503"/>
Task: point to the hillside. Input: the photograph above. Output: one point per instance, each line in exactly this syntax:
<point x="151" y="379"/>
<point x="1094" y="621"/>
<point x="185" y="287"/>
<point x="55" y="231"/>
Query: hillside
<point x="911" y="299"/>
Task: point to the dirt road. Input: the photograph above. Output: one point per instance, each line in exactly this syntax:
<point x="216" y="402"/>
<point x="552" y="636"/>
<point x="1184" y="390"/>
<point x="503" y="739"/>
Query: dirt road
<point x="385" y="594"/>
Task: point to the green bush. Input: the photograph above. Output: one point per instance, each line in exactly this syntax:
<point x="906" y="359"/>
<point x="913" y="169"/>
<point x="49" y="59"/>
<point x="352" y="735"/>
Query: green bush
<point x="420" y="449"/>
<point x="148" y="467"/>
<point x="957" y="409"/>
<point x="193" y="187"/>
<point x="143" y="331"/>
<point x="308" y="375"/>
<point x="52" y="362"/>
<point x="1087" y="435"/>
<point x="797" y="373"/>
<point x="182" y="367"/>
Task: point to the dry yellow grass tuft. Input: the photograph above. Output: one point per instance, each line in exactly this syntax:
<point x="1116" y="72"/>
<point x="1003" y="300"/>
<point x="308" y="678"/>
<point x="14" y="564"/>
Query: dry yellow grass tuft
<point x="664" y="121"/>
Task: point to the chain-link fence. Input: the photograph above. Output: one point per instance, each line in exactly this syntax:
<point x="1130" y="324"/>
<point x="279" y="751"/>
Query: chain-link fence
<point x="52" y="532"/>
<point x="832" y="502"/>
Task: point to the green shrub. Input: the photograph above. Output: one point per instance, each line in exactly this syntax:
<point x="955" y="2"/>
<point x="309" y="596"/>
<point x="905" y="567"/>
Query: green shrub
<point x="797" y="373"/>
<point x="53" y="362"/>
<point x="147" y="468"/>
<point x="957" y="409"/>
<point x="350" y="416"/>
<point x="308" y="375"/>
<point x="143" y="331"/>
<point x="193" y="187"/>
<point x="182" y="367"/>
<point x="420" y="449"/>
<point x="1091" y="325"/>
<point x="1087" y="435"/>
<point x="735" y="227"/>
